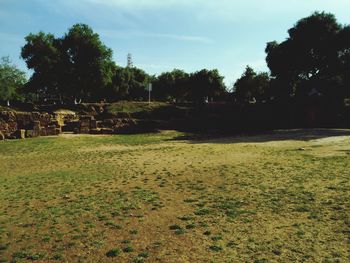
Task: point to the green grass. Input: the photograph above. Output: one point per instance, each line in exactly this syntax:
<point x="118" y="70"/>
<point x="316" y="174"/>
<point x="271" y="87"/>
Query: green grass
<point x="135" y="107"/>
<point x="148" y="198"/>
<point x="113" y="252"/>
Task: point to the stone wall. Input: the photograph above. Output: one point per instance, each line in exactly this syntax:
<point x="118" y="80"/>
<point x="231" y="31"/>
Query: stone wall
<point x="17" y="125"/>
<point x="20" y="125"/>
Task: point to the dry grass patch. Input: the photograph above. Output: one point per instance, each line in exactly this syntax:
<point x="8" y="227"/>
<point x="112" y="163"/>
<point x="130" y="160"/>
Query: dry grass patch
<point x="148" y="198"/>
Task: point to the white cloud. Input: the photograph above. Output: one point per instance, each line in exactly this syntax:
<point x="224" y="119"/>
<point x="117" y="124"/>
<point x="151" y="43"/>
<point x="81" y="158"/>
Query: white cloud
<point x="199" y="39"/>
<point x="128" y="35"/>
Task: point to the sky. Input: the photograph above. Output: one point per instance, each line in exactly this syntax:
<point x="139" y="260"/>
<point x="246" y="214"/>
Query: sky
<point x="162" y="35"/>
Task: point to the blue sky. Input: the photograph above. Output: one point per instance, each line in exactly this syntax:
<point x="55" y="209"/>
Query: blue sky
<point x="166" y="34"/>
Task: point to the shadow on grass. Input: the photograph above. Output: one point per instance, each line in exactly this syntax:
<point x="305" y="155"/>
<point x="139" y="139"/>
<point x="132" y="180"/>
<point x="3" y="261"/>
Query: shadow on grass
<point x="260" y="137"/>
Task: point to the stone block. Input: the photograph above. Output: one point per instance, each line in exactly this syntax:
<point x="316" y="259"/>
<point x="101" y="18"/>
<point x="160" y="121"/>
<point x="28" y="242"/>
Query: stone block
<point x="43" y="132"/>
<point x="84" y="130"/>
<point x="20" y="134"/>
<point x="29" y="134"/>
<point x="106" y="131"/>
<point x="93" y="124"/>
<point x="71" y="125"/>
<point x="95" y="131"/>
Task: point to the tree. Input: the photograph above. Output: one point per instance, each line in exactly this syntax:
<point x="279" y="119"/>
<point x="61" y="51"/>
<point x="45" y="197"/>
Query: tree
<point x="252" y="86"/>
<point x="309" y="58"/>
<point x="171" y="85"/>
<point x="87" y="62"/>
<point x="344" y="58"/>
<point x="11" y="80"/>
<point x="139" y="80"/>
<point x="181" y="82"/>
<point x="164" y="86"/>
<point x="206" y="85"/>
<point x="76" y="65"/>
<point x="42" y="55"/>
<point x="119" y="88"/>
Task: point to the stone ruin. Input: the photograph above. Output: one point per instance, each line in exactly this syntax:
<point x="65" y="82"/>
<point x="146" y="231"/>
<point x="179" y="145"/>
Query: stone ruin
<point x="20" y="125"/>
<point x="87" y="124"/>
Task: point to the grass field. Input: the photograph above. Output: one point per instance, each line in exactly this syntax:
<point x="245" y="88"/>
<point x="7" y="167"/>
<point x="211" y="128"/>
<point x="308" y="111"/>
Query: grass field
<point x="134" y="107"/>
<point x="281" y="197"/>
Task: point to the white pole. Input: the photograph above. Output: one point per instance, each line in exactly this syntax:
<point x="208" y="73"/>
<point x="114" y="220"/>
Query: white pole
<point x="149" y="92"/>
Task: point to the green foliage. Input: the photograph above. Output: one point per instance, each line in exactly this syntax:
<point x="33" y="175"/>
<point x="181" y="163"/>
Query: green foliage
<point x="215" y="248"/>
<point x="128" y="84"/>
<point x="138" y="83"/>
<point x="76" y="65"/>
<point x="171" y="85"/>
<point x="314" y="56"/>
<point x="128" y="249"/>
<point x="200" y="86"/>
<point x="252" y="86"/>
<point x="11" y="80"/>
<point x="120" y="84"/>
<point x="42" y="55"/>
<point x="206" y="85"/>
<point x="88" y="60"/>
<point x="113" y="252"/>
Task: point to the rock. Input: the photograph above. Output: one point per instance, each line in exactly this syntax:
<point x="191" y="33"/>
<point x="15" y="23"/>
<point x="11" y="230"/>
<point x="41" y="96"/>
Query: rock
<point x="95" y="131"/>
<point x="93" y="124"/>
<point x="43" y="132"/>
<point x="20" y="134"/>
<point x="106" y="131"/>
<point x="123" y="115"/>
<point x="51" y="130"/>
<point x="58" y="131"/>
<point x="29" y="134"/>
<point x="24" y="120"/>
<point x="71" y="126"/>
<point x="84" y="130"/>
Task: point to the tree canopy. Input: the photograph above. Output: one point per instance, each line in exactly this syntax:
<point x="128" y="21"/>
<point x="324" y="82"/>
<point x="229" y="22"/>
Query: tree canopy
<point x="171" y="86"/>
<point x="206" y="85"/>
<point x="314" y="56"/>
<point x="75" y="65"/>
<point x="11" y="80"/>
<point x="252" y="86"/>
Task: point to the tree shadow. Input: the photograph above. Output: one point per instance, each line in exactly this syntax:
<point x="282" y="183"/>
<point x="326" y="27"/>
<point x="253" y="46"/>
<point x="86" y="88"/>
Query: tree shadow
<point x="261" y="137"/>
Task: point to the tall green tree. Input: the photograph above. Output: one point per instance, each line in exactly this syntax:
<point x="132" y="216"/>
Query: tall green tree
<point x="139" y="80"/>
<point x="252" y="86"/>
<point x="119" y="88"/>
<point x="171" y="86"/>
<point x="78" y="65"/>
<point x="12" y="80"/>
<point x="87" y="62"/>
<point x="206" y="85"/>
<point x="310" y="58"/>
<point x="42" y="55"/>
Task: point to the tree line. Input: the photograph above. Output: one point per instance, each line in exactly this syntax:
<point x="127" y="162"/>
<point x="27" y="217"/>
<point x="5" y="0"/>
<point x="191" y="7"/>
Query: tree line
<point x="314" y="61"/>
